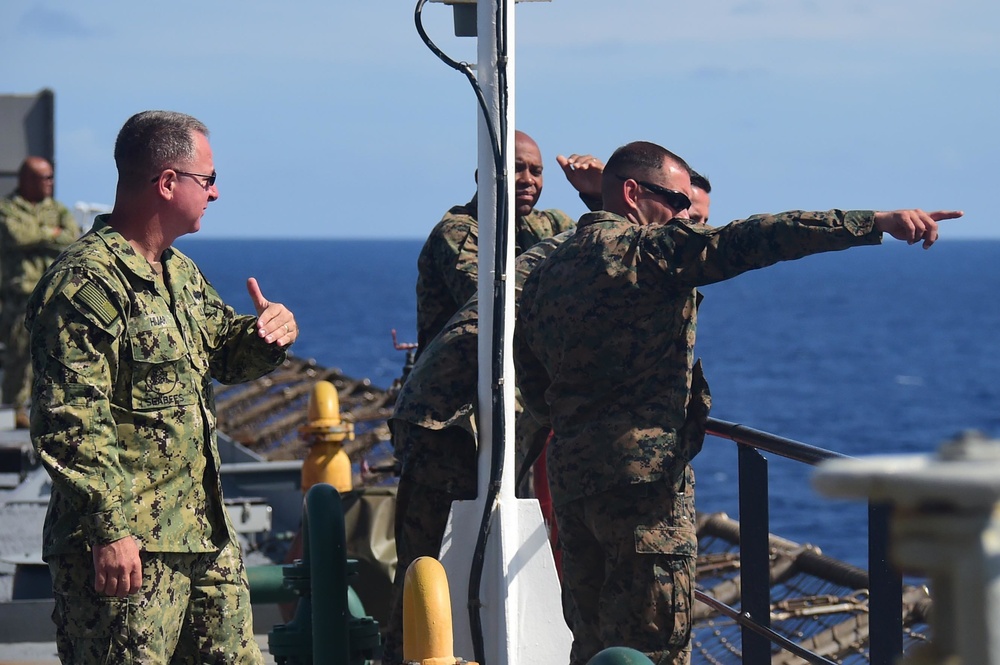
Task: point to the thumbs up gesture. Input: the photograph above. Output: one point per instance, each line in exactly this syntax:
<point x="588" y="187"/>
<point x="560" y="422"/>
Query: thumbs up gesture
<point x="275" y="323"/>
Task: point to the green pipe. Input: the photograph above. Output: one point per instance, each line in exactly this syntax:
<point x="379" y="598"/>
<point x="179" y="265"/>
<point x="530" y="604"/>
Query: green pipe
<point x="267" y="585"/>
<point x="620" y="656"/>
<point x="329" y="626"/>
<point x="324" y="541"/>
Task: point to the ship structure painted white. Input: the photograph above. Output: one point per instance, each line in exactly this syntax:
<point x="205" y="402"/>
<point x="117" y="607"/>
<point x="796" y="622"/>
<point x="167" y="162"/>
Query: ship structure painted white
<point x="945" y="524"/>
<point x="520" y="612"/>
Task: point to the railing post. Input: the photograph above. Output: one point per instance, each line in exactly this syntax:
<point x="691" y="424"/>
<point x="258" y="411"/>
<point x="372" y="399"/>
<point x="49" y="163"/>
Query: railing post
<point x="755" y="570"/>
<point x="885" y="599"/>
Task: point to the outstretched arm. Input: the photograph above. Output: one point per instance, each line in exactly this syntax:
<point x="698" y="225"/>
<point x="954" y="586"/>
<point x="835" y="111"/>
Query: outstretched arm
<point x="913" y="225"/>
<point x="275" y="323"/>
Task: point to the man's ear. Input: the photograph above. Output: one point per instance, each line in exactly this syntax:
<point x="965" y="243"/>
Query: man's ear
<point x="165" y="184"/>
<point x="630" y="193"/>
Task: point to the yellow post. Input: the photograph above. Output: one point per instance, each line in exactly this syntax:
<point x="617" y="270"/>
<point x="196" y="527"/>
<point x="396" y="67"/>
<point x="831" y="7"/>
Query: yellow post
<point x="325" y="433"/>
<point x="427" y="632"/>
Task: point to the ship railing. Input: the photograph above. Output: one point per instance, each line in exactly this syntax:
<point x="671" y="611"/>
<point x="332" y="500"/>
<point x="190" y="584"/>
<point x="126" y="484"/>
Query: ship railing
<point x="885" y="583"/>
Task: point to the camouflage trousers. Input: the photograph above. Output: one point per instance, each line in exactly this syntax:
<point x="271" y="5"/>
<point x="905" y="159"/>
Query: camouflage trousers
<point x="16" y="357"/>
<point x="628" y="569"/>
<point x="423" y="502"/>
<point x="192" y="608"/>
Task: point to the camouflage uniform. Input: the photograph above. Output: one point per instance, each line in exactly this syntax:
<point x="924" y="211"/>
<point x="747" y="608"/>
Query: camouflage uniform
<point x="448" y="262"/>
<point x="31" y="237"/>
<point x="435" y="441"/>
<point x="604" y="352"/>
<point x="146" y="626"/>
<point x="124" y="420"/>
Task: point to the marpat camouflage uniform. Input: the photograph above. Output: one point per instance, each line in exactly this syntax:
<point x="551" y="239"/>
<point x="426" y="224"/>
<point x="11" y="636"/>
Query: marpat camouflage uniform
<point x="123" y="419"/>
<point x="31" y="237"/>
<point x="435" y="441"/>
<point x="448" y="263"/>
<point x="604" y="352"/>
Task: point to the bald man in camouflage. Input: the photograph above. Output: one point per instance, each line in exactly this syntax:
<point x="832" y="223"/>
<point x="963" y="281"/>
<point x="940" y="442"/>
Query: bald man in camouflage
<point x="127" y="336"/>
<point x="34" y="228"/>
<point x="434" y="437"/>
<point x="447" y="267"/>
<point x="604" y="352"/>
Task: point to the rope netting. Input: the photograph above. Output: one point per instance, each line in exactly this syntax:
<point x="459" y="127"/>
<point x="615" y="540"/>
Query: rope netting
<point x="817" y="602"/>
<point x="265" y="415"/>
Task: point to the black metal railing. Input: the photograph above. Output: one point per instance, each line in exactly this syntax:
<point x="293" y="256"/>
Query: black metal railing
<point x="885" y="583"/>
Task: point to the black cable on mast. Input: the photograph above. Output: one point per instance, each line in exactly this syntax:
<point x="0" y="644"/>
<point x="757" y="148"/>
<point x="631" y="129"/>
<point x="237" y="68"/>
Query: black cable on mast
<point x="498" y="143"/>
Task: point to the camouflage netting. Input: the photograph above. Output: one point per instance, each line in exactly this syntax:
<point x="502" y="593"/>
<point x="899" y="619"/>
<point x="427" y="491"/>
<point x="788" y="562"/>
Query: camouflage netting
<point x="816" y="601"/>
<point x="265" y="415"/>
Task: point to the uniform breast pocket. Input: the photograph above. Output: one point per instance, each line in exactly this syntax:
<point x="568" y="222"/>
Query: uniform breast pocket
<point x="161" y="372"/>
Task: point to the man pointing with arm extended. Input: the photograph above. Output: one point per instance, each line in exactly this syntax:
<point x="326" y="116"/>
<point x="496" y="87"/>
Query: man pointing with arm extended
<point x="604" y="351"/>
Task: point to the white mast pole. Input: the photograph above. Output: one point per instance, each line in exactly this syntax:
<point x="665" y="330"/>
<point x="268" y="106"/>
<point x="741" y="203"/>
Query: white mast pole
<point x="495" y="341"/>
<point x="521" y="612"/>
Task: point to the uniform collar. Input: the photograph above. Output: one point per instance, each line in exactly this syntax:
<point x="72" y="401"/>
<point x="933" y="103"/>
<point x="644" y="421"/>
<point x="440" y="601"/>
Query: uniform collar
<point x="127" y="255"/>
<point x="600" y="216"/>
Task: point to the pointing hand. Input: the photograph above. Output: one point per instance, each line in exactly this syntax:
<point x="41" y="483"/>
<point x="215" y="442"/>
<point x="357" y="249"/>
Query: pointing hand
<point x="913" y="225"/>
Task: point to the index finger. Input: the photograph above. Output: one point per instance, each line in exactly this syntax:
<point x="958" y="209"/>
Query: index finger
<point x="938" y="215"/>
<point x="565" y="163"/>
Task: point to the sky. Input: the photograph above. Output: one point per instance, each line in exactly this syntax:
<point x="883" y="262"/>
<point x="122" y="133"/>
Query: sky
<point x="332" y="119"/>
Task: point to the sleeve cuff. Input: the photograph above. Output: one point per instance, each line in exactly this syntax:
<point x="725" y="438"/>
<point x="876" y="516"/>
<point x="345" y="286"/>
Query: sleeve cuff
<point x="106" y="527"/>
<point x="861" y="223"/>
<point x="594" y="202"/>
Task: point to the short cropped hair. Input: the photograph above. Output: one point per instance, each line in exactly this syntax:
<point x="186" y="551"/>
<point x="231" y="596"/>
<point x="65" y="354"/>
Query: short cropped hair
<point x="639" y="159"/>
<point x="152" y="141"/>
<point x="701" y="182"/>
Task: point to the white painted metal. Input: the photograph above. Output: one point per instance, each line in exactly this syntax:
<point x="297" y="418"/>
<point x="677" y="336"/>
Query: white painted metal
<point x="946" y="524"/>
<point x="521" y="608"/>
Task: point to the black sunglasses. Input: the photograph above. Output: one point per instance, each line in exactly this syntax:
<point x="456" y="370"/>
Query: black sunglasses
<point x="209" y="178"/>
<point x="677" y="201"/>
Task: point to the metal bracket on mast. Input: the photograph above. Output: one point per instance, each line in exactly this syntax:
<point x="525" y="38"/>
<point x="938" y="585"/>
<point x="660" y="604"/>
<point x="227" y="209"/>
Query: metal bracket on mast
<point x="465" y="15"/>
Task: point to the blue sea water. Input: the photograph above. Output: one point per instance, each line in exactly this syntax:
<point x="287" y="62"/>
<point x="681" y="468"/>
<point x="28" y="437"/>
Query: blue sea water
<point x="874" y="350"/>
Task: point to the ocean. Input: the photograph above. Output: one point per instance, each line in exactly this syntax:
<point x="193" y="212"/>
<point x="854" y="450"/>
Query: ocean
<point x="873" y="350"/>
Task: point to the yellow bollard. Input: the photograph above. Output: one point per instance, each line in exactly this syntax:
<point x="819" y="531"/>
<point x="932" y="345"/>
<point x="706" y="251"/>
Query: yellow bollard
<point x="325" y="433"/>
<point x="427" y="631"/>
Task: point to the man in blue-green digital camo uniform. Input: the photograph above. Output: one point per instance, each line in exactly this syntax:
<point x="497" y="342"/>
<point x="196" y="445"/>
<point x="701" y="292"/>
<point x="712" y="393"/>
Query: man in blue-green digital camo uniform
<point x="34" y="229"/>
<point x="447" y="267"/>
<point x="435" y="439"/>
<point x="127" y="336"/>
<point x="604" y="352"/>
